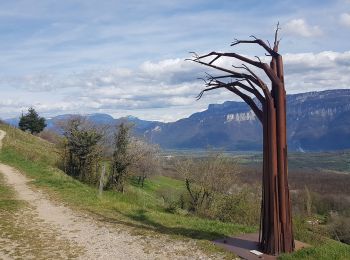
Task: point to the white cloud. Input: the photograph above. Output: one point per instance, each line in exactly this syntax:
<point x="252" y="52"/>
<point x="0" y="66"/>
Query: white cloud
<point x="344" y="19"/>
<point x="317" y="71"/>
<point x="163" y="90"/>
<point x="301" y="28"/>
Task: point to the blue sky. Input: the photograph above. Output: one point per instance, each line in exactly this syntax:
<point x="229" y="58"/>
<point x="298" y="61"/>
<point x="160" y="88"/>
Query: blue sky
<point x="127" y="57"/>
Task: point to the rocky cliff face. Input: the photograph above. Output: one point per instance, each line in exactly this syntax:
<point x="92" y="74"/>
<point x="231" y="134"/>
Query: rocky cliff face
<point x="316" y="121"/>
<point x="319" y="120"/>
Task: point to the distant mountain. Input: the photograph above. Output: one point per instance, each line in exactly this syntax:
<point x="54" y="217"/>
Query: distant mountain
<point x="319" y="120"/>
<point x="316" y="121"/>
<point x="12" y="121"/>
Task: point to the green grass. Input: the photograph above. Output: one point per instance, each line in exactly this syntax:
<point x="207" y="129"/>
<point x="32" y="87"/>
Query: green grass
<point x="322" y="248"/>
<point x="8" y="202"/>
<point x="141" y="209"/>
<point x="328" y="249"/>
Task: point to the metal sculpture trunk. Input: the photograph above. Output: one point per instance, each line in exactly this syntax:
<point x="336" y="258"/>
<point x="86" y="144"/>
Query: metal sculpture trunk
<point x="269" y="106"/>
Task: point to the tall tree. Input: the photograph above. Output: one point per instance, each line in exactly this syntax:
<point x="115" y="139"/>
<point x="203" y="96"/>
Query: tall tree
<point x="81" y="151"/>
<point x="276" y="234"/>
<point x="121" y="159"/>
<point x="32" y="122"/>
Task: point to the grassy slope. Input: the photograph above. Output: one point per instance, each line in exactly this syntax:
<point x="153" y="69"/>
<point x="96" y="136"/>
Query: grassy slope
<point x="139" y="208"/>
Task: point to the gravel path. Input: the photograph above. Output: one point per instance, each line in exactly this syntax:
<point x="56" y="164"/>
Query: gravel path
<point x="78" y="235"/>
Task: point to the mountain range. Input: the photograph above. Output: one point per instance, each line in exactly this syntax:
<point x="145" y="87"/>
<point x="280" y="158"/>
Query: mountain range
<point x="316" y="121"/>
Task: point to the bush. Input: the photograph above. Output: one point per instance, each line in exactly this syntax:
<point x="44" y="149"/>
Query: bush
<point x="50" y="136"/>
<point x="172" y="198"/>
<point x="339" y="228"/>
<point x="324" y="204"/>
<point x="241" y="208"/>
<point x="80" y="150"/>
<point x="207" y="177"/>
<point x="312" y="234"/>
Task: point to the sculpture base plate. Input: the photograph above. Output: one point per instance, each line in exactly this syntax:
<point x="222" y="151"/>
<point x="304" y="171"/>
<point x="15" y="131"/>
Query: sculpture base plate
<point x="242" y="245"/>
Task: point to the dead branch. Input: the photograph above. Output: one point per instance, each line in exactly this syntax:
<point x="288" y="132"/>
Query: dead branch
<point x="232" y="87"/>
<point x="269" y="72"/>
<point x="276" y="42"/>
<point x="256" y="41"/>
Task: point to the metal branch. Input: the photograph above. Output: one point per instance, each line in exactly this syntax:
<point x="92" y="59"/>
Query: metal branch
<point x="195" y="55"/>
<point x="207" y="89"/>
<point x="258" y="58"/>
<point x="269" y="72"/>
<point x="204" y="80"/>
<point x="237" y="67"/>
<point x="275" y="47"/>
<point x="217" y="57"/>
<point x="257" y="93"/>
<point x="250" y="102"/>
<point x="256" y="41"/>
<point x="268" y="42"/>
<point x="254" y="91"/>
<point x="232" y="87"/>
<point x="259" y="82"/>
<point x="232" y="55"/>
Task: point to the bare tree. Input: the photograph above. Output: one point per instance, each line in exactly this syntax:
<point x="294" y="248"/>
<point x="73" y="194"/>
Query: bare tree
<point x="145" y="160"/>
<point x="276" y="234"/>
<point x="205" y="177"/>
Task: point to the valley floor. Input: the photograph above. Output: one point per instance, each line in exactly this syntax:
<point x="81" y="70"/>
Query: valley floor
<point x="42" y="229"/>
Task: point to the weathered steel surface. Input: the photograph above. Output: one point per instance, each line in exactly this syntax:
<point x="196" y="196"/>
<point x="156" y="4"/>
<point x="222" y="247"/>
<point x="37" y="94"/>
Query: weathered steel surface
<point x="276" y="234"/>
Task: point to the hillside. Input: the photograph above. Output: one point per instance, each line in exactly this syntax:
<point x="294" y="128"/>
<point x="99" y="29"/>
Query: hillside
<point x="139" y="211"/>
<point x="135" y="220"/>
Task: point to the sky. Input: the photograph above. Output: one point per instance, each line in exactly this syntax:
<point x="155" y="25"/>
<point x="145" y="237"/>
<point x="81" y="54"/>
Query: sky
<point x="128" y="57"/>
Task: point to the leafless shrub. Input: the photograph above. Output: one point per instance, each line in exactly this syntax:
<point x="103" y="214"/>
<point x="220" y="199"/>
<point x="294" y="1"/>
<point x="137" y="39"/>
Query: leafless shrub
<point x="339" y="228"/>
<point x="50" y="136"/>
<point x="205" y="177"/>
<point x="145" y="159"/>
<point x="242" y="207"/>
<point x="172" y="199"/>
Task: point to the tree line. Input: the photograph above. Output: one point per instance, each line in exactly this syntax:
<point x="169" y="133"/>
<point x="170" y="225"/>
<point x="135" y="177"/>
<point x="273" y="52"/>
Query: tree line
<point x="86" y="149"/>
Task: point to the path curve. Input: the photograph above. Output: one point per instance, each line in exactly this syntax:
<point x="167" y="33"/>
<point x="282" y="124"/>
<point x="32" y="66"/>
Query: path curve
<point x="2" y="136"/>
<point x="98" y="240"/>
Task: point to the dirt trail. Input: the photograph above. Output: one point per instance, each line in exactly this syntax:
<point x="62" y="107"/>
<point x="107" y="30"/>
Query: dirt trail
<point x="2" y="135"/>
<point x="77" y="235"/>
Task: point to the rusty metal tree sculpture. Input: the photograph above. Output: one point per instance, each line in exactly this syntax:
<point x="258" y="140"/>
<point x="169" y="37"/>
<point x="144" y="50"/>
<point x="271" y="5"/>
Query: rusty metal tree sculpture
<point x="276" y="234"/>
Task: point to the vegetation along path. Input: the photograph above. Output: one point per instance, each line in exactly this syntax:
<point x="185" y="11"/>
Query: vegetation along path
<point x="40" y="229"/>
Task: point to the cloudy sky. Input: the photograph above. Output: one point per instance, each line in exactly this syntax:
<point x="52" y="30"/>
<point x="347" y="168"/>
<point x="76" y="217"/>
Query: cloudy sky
<point x="127" y="57"/>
